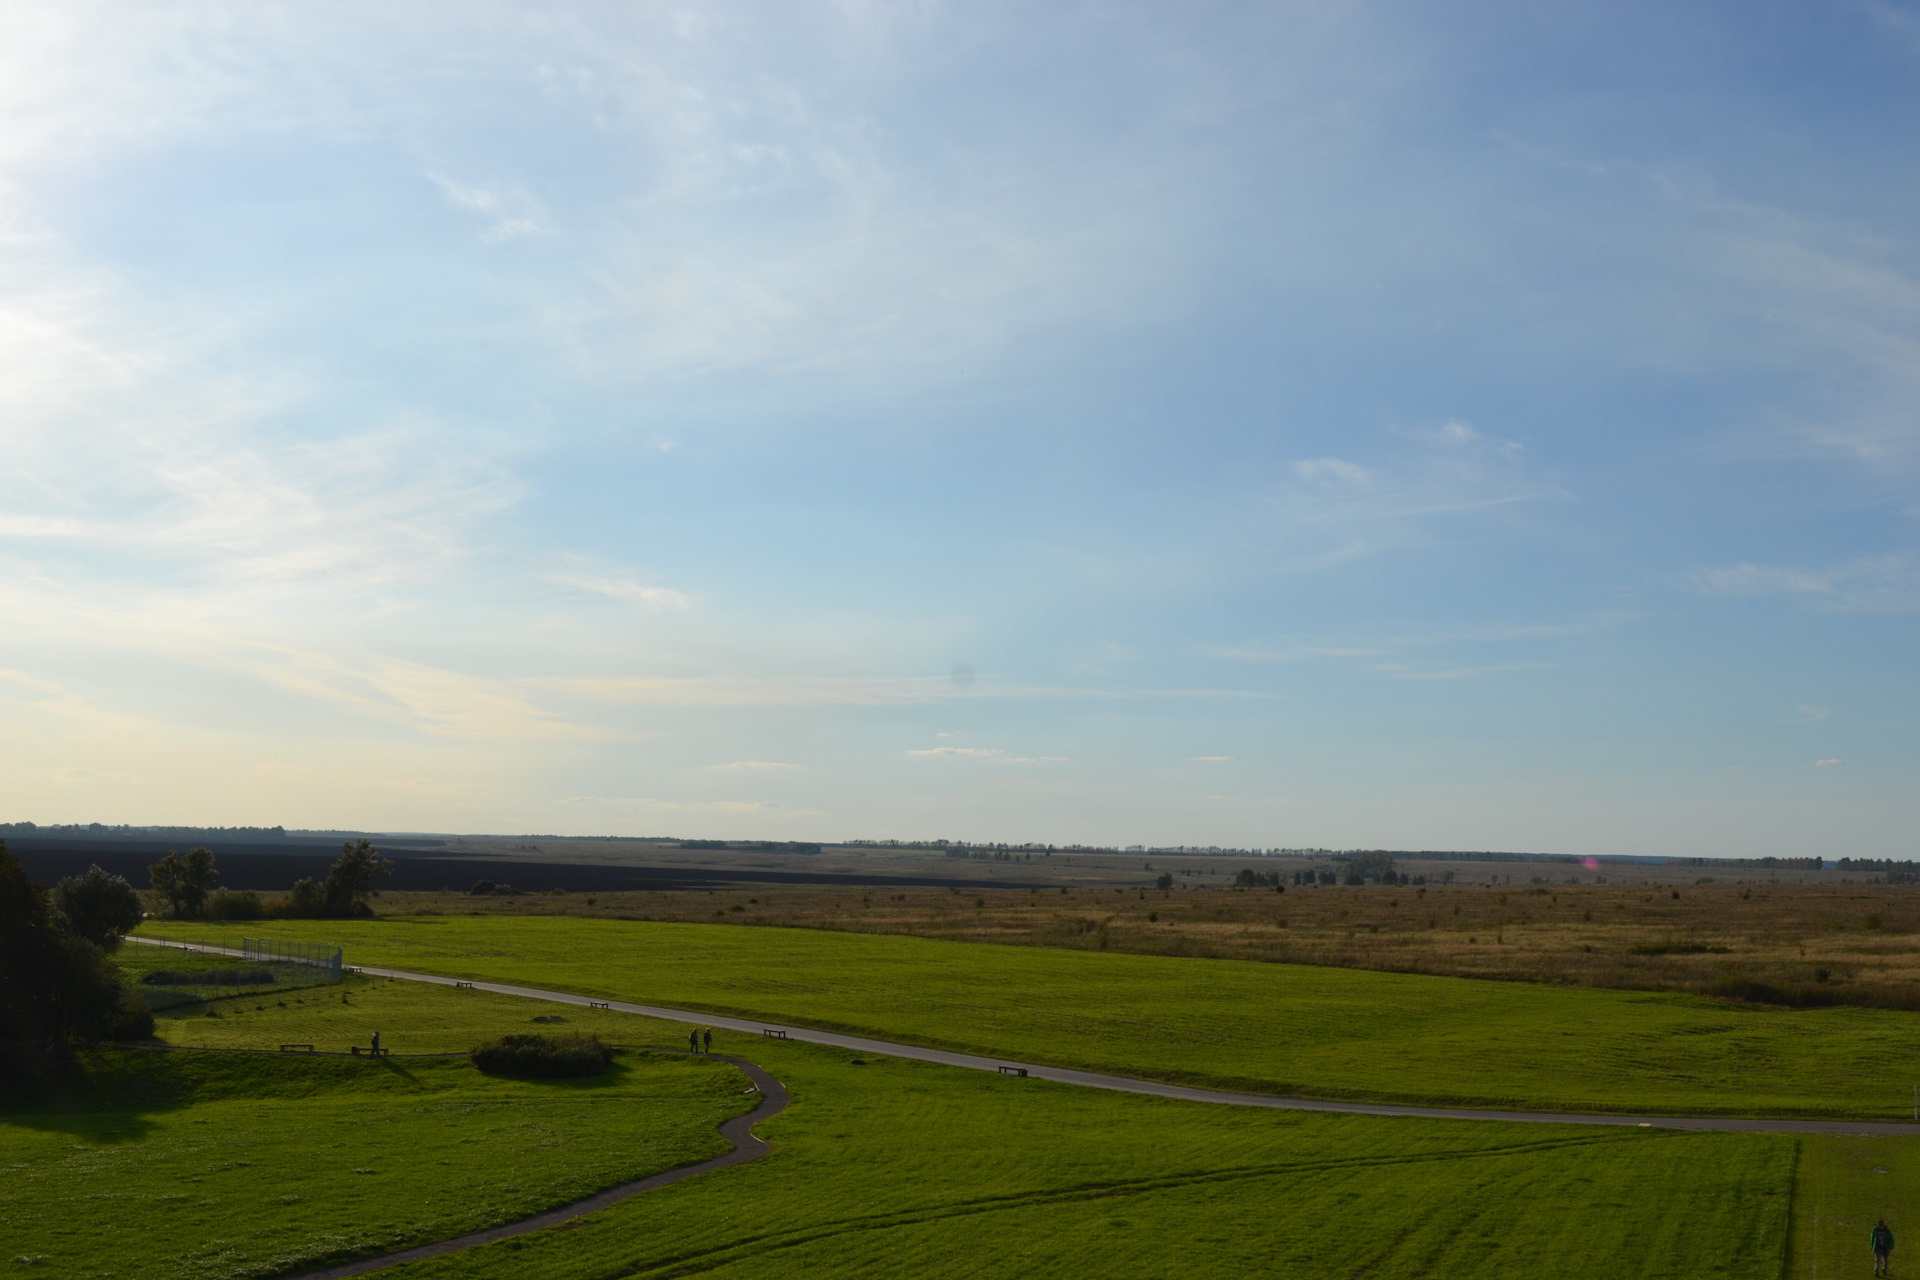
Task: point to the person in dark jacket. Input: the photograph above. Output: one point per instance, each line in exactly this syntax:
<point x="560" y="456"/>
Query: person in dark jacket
<point x="693" y="1041"/>
<point x="1882" y="1248"/>
<point x="707" y="1035"/>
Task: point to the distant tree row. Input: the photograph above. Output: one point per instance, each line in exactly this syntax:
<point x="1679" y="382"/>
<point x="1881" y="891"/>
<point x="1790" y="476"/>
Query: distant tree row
<point x="188" y="886"/>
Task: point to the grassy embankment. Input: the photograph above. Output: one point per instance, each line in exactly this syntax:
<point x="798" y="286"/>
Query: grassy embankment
<point x="209" y="1165"/>
<point x="1273" y="1028"/>
<point x="1804" y="943"/>
<point x="887" y="1168"/>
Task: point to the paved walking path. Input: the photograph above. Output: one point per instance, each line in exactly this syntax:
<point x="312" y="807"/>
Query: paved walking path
<point x="1126" y="1084"/>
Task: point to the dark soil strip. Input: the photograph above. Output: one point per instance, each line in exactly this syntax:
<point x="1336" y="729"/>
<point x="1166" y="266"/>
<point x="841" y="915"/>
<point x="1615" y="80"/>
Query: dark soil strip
<point x="738" y="1131"/>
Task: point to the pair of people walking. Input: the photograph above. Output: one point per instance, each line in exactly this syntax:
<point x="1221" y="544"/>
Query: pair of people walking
<point x="693" y="1041"/>
<point x="1882" y="1248"/>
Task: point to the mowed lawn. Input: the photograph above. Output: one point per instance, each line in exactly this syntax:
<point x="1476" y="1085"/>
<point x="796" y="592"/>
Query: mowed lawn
<point x="226" y="1164"/>
<point x="1334" y="1033"/>
<point x="1845" y="1185"/>
<point x="900" y="1168"/>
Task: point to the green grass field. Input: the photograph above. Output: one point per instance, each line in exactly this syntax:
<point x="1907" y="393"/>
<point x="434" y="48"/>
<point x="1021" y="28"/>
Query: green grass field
<point x="231" y="1164"/>
<point x="177" y="1165"/>
<point x="1237" y="1024"/>
<point x="898" y="1168"/>
<point x="1845" y="1185"/>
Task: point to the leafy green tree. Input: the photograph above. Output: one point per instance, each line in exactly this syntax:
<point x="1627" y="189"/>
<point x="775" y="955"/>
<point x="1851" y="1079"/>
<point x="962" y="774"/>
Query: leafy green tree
<point x="1164" y="881"/>
<point x="185" y="882"/>
<point x="55" y="986"/>
<point x="98" y="906"/>
<point x="308" y="899"/>
<point x="350" y="878"/>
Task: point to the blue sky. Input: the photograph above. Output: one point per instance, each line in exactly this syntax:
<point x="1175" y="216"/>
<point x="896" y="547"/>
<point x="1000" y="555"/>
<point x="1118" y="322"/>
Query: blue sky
<point x="1284" y="425"/>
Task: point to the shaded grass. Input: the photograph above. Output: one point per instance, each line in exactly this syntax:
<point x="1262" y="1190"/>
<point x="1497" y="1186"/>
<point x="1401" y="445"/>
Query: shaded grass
<point x="1274" y="1028"/>
<point x="228" y="1164"/>
<point x="902" y="1168"/>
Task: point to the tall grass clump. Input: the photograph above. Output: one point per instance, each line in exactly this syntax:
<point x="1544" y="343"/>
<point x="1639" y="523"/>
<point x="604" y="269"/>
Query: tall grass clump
<point x="532" y="1056"/>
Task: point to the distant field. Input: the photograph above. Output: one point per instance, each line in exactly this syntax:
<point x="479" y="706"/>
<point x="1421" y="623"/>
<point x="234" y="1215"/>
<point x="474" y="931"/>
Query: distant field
<point x="1275" y="1028"/>
<point x="1804" y="943"/>
<point x="211" y="1165"/>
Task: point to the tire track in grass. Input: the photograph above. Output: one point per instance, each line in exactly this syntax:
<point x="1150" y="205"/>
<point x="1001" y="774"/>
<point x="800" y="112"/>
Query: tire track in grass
<point x="694" y="1263"/>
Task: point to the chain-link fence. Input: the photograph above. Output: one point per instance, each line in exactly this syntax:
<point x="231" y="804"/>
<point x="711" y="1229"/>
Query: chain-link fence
<point x="314" y="955"/>
<point x="264" y="965"/>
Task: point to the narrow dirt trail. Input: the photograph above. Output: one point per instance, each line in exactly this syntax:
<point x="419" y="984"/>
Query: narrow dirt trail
<point x="1127" y="1084"/>
<point x="739" y="1131"/>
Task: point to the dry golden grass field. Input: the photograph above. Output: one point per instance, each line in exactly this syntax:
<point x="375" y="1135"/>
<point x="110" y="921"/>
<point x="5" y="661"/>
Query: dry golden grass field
<point x="1799" y="943"/>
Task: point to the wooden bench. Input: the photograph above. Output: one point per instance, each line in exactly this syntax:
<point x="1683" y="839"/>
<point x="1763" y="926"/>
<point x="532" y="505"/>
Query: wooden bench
<point x="597" y="1004"/>
<point x="1013" y="1071"/>
<point x="463" y="986"/>
<point x="773" y="1033"/>
<point x="296" y="1048"/>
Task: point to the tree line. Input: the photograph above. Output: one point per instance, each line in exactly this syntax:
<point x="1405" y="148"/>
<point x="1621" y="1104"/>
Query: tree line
<point x="188" y="885"/>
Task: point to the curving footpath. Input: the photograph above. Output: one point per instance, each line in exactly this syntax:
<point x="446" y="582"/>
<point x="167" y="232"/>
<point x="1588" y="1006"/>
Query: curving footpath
<point x="739" y="1131"/>
<point x="1126" y="1084"/>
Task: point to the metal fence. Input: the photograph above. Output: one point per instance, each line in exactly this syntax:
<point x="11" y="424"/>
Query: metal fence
<point x="264" y="965"/>
<point x="317" y="955"/>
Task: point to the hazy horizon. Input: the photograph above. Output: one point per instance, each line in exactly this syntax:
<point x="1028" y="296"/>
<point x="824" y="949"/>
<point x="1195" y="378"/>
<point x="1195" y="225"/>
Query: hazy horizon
<point x="1283" y="425"/>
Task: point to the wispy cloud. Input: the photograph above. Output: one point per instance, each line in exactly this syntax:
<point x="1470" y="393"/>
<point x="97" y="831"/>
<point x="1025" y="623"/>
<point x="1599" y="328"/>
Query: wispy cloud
<point x="1873" y="584"/>
<point x="1212" y="759"/>
<point x="754" y="764"/>
<point x="640" y="593"/>
<point x="508" y="211"/>
<point x="840" y="691"/>
<point x="1808" y="715"/>
<point x="1332" y="510"/>
<point x="1379" y="652"/>
<point x="993" y="754"/>
<point x="1827" y="764"/>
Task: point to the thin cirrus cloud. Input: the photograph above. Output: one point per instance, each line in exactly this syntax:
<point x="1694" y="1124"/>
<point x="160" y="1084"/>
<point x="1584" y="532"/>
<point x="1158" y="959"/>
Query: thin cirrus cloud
<point x="626" y="589"/>
<point x="1828" y="764"/>
<point x="507" y="211"/>
<point x="754" y="764"/>
<point x="1885" y="584"/>
<point x="991" y="754"/>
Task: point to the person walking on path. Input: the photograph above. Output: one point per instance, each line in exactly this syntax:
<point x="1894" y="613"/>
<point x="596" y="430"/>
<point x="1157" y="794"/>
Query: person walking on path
<point x="1882" y="1248"/>
<point x="693" y="1042"/>
<point x="708" y="1033"/>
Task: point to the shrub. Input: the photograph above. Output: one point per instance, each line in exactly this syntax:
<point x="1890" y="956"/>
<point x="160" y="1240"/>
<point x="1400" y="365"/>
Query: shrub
<point x="255" y="977"/>
<point x="481" y="888"/>
<point x="534" y="1056"/>
<point x="229" y="904"/>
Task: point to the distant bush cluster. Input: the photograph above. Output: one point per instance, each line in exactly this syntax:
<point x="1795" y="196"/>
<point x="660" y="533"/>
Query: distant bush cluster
<point x="481" y="888"/>
<point x="532" y="1056"/>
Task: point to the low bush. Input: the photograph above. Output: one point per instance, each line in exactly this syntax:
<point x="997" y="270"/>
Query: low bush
<point x="257" y="977"/>
<point x="229" y="904"/>
<point x="539" y="1057"/>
